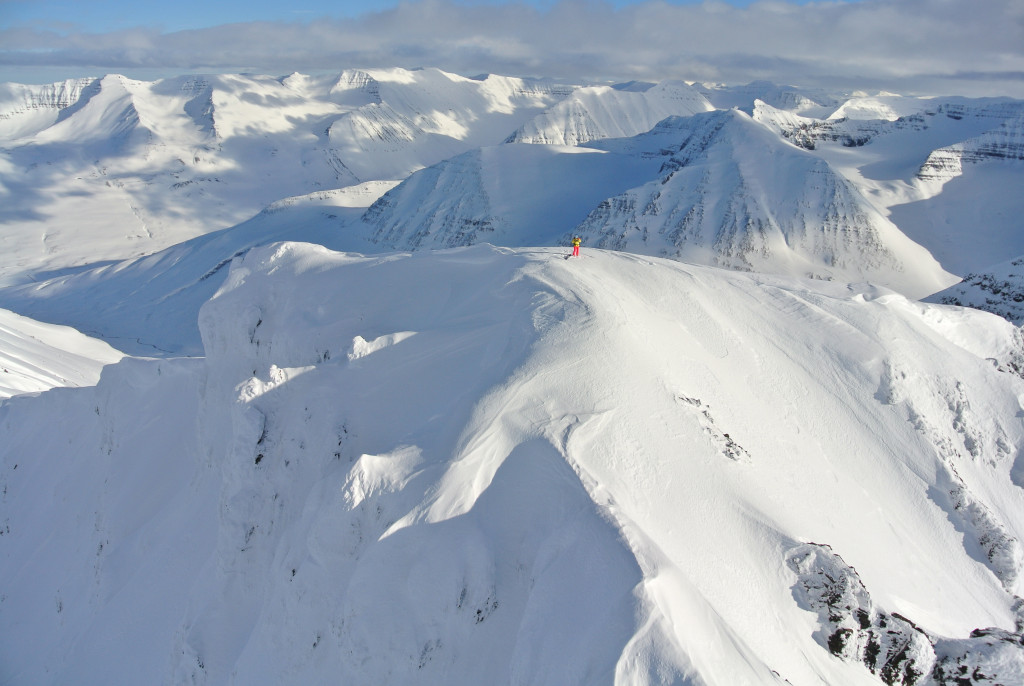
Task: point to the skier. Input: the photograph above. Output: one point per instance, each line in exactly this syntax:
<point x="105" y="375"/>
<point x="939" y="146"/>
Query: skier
<point x="576" y="246"/>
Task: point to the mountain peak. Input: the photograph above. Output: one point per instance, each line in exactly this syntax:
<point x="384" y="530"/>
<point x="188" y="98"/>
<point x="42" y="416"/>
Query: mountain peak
<point x="483" y="464"/>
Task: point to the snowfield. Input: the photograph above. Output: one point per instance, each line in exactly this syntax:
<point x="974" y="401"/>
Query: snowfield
<point x="494" y="465"/>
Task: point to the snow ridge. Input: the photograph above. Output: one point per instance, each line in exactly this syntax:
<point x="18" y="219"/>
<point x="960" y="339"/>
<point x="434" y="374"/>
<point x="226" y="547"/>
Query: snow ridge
<point x="484" y="465"/>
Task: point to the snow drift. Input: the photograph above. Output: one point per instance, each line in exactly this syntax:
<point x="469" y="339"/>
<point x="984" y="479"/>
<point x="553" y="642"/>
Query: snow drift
<point x="498" y="466"/>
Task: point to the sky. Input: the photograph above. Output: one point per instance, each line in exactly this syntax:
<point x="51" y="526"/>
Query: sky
<point x="909" y="46"/>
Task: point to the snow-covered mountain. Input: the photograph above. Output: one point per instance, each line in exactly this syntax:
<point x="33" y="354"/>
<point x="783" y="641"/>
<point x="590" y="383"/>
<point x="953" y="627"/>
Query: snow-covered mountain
<point x="607" y="112"/>
<point x="720" y="189"/>
<point x="507" y="195"/>
<point x="731" y="193"/>
<point x="140" y="166"/>
<point x="150" y="305"/>
<point x="817" y="103"/>
<point x="312" y="458"/>
<point x="497" y="466"/>
<point x="947" y="174"/>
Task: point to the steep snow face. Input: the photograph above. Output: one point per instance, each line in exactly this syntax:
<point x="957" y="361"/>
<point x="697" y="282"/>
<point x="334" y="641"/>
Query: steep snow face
<point x="1005" y="142"/>
<point x="732" y="194"/>
<point x="515" y="195"/>
<point x="140" y="166"/>
<point x="35" y="356"/>
<point x="497" y="466"/>
<point x="605" y="112"/>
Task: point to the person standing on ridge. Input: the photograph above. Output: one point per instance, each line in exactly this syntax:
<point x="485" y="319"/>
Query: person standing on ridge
<point x="576" y="246"/>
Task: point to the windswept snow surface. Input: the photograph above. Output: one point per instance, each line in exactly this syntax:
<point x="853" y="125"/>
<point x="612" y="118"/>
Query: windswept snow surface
<point x="36" y="357"/>
<point x="498" y="466"/>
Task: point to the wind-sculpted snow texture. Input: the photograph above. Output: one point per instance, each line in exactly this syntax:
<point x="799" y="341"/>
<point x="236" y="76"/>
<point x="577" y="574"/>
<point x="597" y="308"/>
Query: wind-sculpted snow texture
<point x="489" y="465"/>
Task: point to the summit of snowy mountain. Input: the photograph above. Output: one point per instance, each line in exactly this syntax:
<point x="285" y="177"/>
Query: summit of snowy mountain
<point x="487" y="465"/>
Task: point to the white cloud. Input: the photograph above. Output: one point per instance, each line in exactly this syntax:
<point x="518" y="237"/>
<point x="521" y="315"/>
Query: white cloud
<point x="941" y="46"/>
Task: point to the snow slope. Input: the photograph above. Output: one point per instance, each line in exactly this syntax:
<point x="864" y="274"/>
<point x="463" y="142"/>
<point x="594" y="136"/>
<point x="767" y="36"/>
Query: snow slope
<point x="731" y="193"/>
<point x="35" y="356"/>
<point x="512" y="194"/>
<point x="947" y="172"/>
<point x="498" y="466"/>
